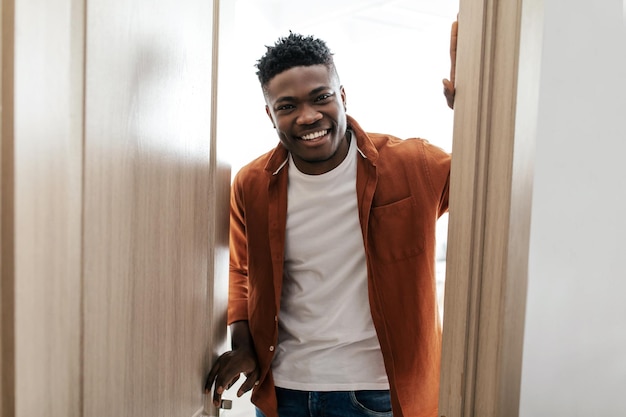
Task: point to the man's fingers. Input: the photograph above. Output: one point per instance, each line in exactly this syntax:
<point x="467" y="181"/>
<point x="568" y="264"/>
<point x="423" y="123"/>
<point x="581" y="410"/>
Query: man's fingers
<point x="251" y="381"/>
<point x="216" y="374"/>
<point x="221" y="386"/>
<point x="232" y="382"/>
<point x="449" y="92"/>
<point x="217" y="396"/>
<point x="219" y="374"/>
<point x="227" y="370"/>
<point x="453" y="42"/>
<point x="211" y="377"/>
<point x="454" y="31"/>
<point x="449" y="84"/>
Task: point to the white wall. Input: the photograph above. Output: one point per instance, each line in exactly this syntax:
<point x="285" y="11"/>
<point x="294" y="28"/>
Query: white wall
<point x="391" y="56"/>
<point x="574" y="360"/>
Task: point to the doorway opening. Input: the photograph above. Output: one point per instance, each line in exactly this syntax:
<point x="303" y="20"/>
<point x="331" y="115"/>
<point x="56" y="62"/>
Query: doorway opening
<point x="391" y="56"/>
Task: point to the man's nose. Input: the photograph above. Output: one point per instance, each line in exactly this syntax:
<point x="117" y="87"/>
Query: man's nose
<point x="308" y="115"/>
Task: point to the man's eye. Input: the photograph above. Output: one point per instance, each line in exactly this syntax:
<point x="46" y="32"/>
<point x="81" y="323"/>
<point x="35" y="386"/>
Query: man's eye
<point x="324" y="97"/>
<point x="284" y="107"/>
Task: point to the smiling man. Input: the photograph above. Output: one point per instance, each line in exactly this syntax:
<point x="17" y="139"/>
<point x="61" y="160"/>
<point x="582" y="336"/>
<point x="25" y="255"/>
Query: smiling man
<point x="332" y="302"/>
<point x="306" y="105"/>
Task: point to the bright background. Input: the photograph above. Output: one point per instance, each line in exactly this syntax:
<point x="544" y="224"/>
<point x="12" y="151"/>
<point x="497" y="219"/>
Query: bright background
<point x="391" y="57"/>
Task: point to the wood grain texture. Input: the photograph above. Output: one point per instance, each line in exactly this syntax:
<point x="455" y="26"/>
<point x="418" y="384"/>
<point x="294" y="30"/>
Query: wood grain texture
<point x="219" y="220"/>
<point x="114" y="210"/>
<point x="7" y="197"/>
<point x="489" y="224"/>
<point x="47" y="158"/>
<point x="150" y="207"/>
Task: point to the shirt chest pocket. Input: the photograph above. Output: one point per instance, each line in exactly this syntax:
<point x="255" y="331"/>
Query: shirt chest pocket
<point x="395" y="233"/>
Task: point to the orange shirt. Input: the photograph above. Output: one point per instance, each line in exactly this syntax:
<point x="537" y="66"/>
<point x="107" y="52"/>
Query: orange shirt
<point x="402" y="189"/>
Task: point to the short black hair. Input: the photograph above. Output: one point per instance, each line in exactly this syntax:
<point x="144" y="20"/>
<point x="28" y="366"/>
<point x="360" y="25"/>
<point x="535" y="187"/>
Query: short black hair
<point x="294" y="50"/>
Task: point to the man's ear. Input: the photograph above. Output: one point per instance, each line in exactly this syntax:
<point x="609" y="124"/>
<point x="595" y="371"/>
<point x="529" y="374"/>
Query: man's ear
<point x="343" y="98"/>
<point x="269" y="114"/>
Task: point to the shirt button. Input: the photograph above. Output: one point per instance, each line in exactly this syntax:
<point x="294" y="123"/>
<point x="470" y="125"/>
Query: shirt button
<point x="271" y="348"/>
<point x="276" y="318"/>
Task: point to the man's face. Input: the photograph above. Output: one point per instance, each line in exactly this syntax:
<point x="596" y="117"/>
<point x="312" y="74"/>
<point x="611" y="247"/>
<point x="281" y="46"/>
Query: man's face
<point x="307" y="107"/>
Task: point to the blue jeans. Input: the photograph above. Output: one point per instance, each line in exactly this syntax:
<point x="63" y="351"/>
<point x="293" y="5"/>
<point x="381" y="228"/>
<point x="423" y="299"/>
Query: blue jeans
<point x="292" y="403"/>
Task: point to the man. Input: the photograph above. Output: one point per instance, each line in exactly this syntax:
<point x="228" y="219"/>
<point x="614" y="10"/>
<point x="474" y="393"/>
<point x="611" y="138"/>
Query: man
<point x="332" y="300"/>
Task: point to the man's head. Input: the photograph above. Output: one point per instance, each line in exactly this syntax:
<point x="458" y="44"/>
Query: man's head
<point x="293" y="51"/>
<point x="305" y="101"/>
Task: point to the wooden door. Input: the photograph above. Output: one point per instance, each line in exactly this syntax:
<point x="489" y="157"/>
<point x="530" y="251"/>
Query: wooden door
<point x="490" y="202"/>
<point x="114" y="207"/>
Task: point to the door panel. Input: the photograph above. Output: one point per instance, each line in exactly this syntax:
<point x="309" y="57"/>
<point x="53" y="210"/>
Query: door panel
<point x="114" y="209"/>
<point x="41" y="207"/>
<point x="147" y="213"/>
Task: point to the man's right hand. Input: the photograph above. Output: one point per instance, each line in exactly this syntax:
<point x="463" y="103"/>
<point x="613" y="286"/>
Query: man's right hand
<point x="230" y="365"/>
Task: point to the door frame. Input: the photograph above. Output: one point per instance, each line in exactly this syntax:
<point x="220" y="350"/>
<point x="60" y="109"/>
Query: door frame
<point x="491" y="190"/>
<point x="499" y="53"/>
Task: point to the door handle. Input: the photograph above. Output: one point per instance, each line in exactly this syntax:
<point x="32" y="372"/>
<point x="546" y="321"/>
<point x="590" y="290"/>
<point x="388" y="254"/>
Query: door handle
<point x="211" y="410"/>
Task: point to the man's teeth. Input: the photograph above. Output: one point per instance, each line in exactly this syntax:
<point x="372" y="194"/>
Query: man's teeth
<point x="315" y="135"/>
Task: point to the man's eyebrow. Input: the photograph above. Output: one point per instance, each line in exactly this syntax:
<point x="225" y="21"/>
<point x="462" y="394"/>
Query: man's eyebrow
<point x="320" y="89"/>
<point x="313" y="92"/>
<point x="283" y="99"/>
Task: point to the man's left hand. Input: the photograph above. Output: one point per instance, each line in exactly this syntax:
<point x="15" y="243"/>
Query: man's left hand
<point x="449" y="89"/>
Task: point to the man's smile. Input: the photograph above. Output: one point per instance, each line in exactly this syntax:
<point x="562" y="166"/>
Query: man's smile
<point x="314" y="135"/>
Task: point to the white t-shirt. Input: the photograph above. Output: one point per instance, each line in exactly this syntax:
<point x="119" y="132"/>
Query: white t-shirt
<point x="326" y="338"/>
